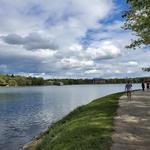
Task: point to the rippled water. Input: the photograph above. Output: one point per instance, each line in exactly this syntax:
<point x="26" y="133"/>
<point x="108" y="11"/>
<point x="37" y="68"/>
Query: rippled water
<point x="26" y="111"/>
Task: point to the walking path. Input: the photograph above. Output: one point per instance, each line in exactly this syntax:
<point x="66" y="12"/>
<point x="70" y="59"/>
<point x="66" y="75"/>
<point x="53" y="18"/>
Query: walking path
<point x="132" y="124"/>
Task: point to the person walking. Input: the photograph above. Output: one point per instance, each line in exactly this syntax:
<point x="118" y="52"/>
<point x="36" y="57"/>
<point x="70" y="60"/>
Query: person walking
<point x="143" y="86"/>
<point x="128" y="88"/>
<point x="147" y="85"/>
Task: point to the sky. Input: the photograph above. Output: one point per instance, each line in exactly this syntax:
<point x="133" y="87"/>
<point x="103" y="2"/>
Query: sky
<point x="68" y="39"/>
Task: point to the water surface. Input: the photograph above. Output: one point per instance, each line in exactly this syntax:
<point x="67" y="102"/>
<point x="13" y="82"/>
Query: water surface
<point x="26" y="111"/>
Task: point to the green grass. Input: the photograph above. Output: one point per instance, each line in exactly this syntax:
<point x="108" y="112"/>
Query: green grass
<point x="88" y="127"/>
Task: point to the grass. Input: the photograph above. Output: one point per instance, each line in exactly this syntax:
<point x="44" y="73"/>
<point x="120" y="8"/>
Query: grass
<point x="88" y="127"/>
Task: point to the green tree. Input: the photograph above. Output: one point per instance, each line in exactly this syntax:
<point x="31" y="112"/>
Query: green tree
<point x="12" y="82"/>
<point x="21" y="81"/>
<point x="146" y="69"/>
<point x="138" y="20"/>
<point x="2" y="82"/>
<point x="38" y="81"/>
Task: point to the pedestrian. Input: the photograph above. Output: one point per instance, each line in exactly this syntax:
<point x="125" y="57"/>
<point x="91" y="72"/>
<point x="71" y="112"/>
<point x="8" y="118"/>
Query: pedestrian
<point x="147" y="85"/>
<point x="143" y="86"/>
<point x="128" y="88"/>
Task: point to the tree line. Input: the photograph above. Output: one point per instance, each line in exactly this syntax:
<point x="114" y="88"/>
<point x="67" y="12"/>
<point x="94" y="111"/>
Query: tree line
<point x="12" y="80"/>
<point x="16" y="80"/>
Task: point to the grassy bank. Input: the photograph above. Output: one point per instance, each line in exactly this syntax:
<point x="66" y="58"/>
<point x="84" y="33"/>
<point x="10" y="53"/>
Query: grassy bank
<point x="88" y="127"/>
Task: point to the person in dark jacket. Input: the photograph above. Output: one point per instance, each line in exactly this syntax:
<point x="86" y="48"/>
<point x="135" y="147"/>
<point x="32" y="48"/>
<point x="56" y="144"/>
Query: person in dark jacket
<point x="143" y="86"/>
<point x="147" y="85"/>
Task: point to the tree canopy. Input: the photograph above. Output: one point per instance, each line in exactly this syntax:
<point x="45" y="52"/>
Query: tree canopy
<point x="138" y="20"/>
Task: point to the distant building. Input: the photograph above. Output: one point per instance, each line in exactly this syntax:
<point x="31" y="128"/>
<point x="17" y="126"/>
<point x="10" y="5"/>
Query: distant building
<point x="49" y="82"/>
<point x="60" y="83"/>
<point x="99" y="81"/>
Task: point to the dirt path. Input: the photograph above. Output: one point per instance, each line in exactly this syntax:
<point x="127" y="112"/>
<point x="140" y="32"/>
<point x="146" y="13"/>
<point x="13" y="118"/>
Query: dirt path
<point x="132" y="124"/>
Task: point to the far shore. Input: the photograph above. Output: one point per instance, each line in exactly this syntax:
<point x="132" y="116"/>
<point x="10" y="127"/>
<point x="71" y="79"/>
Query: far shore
<point x="63" y="85"/>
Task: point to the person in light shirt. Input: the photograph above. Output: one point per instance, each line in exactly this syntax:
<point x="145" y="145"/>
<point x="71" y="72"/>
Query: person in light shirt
<point x="128" y="88"/>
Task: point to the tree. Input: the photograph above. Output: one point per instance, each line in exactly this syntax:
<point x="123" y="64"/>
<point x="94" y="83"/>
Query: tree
<point x="2" y="82"/>
<point x="146" y="69"/>
<point x="21" y="81"/>
<point x="12" y="82"/>
<point x="138" y="20"/>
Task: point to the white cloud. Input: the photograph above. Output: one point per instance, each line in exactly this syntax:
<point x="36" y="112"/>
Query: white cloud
<point x="3" y="67"/>
<point x="93" y="71"/>
<point x="104" y="50"/>
<point x="133" y="63"/>
<point x="74" y="63"/>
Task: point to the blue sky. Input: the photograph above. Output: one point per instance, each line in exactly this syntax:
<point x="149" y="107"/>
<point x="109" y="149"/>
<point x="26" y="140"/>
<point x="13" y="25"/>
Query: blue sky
<point x="67" y="39"/>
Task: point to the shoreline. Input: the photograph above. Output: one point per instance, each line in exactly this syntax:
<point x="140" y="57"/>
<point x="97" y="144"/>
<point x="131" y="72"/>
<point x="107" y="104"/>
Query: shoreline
<point x="39" y="139"/>
<point x="62" y="85"/>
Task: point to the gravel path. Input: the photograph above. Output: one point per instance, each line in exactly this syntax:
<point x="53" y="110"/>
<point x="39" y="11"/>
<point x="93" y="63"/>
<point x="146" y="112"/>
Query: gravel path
<point x="132" y="123"/>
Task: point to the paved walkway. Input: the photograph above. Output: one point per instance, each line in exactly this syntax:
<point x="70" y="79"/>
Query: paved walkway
<point x="132" y="124"/>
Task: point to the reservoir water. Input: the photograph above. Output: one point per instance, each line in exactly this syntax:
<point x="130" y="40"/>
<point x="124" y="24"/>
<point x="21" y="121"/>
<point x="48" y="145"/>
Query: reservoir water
<point x="26" y="111"/>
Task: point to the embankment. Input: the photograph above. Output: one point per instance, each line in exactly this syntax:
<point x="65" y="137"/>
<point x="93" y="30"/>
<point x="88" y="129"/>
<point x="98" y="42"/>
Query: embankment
<point x="88" y="127"/>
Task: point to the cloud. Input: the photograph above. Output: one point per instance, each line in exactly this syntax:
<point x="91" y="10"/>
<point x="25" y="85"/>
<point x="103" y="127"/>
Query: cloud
<point x="33" y="41"/>
<point x="132" y="63"/>
<point x="63" y="20"/>
<point x="104" y="50"/>
<point x="3" y="68"/>
<point x="93" y="71"/>
<point x="116" y="25"/>
<point x="75" y="63"/>
<point x="13" y="39"/>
